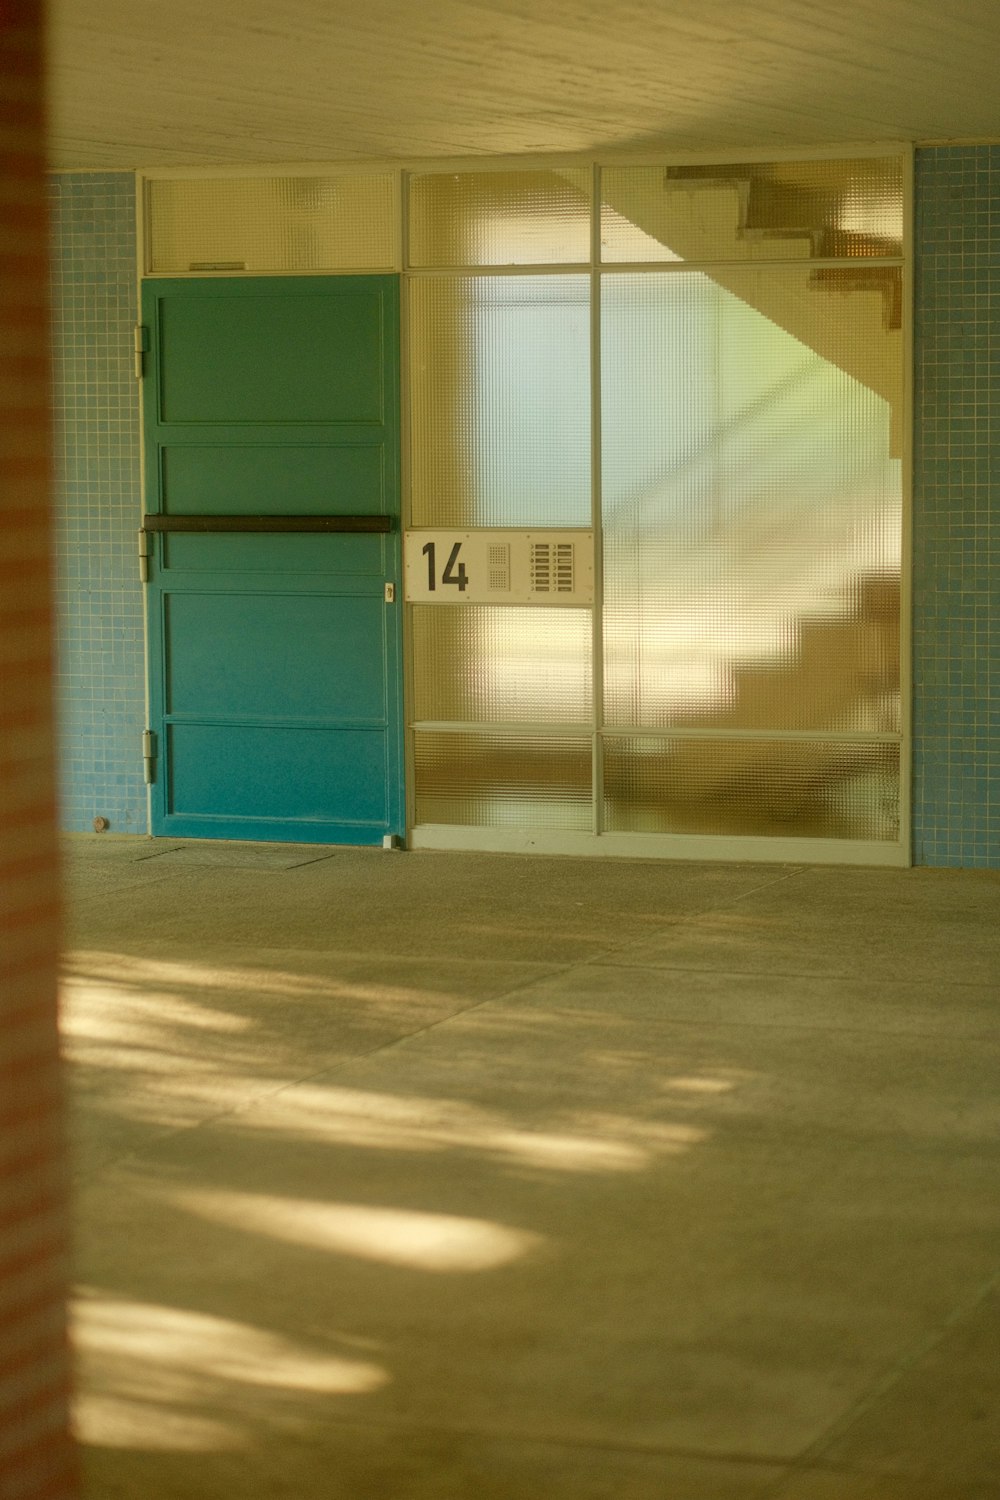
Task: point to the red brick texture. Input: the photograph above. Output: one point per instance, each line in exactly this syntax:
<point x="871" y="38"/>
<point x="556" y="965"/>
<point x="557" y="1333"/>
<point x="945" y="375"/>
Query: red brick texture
<point x="36" y="1456"/>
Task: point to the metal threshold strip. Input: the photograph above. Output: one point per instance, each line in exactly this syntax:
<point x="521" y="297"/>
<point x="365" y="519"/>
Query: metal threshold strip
<point x="205" y="523"/>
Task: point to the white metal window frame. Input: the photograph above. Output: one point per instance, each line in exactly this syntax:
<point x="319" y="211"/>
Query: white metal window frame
<point x="598" y="842"/>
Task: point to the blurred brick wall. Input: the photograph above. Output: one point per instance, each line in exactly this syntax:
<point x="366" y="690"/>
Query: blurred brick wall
<point x="36" y="1457"/>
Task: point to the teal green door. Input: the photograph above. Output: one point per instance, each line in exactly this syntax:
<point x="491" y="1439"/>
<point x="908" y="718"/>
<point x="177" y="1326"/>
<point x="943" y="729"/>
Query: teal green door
<point x="272" y="497"/>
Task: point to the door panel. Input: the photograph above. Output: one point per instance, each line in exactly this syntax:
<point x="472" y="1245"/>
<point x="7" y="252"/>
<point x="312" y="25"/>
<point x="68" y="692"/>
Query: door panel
<point x="275" y="679"/>
<point x="271" y="357"/>
<point x="233" y="479"/>
<point x="316" y="777"/>
<point x="243" y="654"/>
<point x="352" y="559"/>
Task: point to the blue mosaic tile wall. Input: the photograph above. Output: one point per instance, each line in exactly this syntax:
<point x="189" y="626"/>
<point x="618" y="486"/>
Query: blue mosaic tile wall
<point x="100" y="681"/>
<point x="956" y="585"/>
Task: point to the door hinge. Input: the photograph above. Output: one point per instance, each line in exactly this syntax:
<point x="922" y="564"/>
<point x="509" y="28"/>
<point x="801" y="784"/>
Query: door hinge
<point x="148" y="756"/>
<point x="141" y="346"/>
<point x="145" y="553"/>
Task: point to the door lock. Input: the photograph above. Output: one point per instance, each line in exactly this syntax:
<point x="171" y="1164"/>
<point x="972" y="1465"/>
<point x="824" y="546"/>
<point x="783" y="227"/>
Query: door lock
<point x="390" y="593"/>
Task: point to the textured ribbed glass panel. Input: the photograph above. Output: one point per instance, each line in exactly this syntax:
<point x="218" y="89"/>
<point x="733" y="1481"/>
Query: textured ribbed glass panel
<point x="273" y="224"/>
<point x="486" y="663"/>
<point x="500" y="401"/>
<point x="792" y="210"/>
<point x="500" y="218"/>
<point x="503" y="781"/>
<point x="751" y="451"/>
<point x="764" y="788"/>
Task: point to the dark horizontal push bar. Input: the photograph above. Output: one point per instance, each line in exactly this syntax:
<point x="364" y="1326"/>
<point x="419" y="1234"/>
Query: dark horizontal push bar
<point x="266" y="523"/>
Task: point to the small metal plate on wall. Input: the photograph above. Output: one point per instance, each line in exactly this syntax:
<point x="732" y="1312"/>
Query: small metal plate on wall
<point x="499" y="566"/>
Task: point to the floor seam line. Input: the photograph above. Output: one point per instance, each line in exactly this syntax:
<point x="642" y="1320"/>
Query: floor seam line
<point x="604" y="1445"/>
<point x="667" y="968"/>
<point x="798" y="1026"/>
<point x="891" y="1378"/>
<point x="689" y="917"/>
<point x="244" y="1106"/>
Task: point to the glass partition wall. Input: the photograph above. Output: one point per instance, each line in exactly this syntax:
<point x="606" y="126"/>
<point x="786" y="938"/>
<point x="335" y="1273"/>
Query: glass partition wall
<point x="702" y="368"/>
<point x="675" y="392"/>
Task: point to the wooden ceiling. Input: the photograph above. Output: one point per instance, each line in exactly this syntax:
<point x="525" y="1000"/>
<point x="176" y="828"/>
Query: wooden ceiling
<point x="220" y="82"/>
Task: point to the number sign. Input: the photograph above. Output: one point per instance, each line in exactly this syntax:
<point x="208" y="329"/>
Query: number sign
<point x="499" y="567"/>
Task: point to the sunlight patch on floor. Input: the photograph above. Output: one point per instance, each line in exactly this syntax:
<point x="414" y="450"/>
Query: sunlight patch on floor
<point x="152" y="1373"/>
<point x="394" y="1236"/>
<point x="101" y="1420"/>
<point x="391" y="1123"/>
<point x="699" y="1085"/>
<point x="95" y="1011"/>
<point x="142" y="976"/>
<point x="154" y="1044"/>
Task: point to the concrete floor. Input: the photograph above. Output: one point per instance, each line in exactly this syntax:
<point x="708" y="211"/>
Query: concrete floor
<point x="433" y="1176"/>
